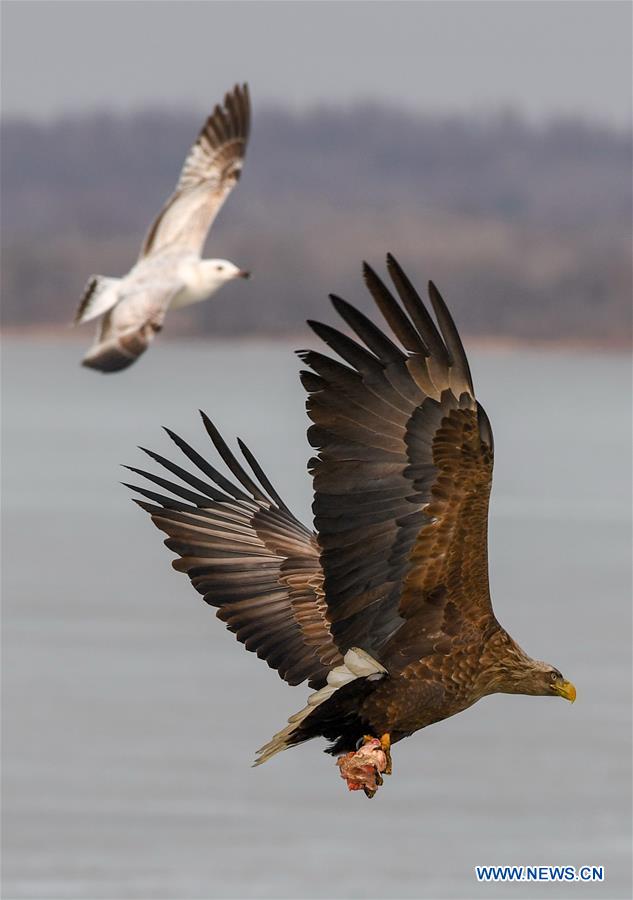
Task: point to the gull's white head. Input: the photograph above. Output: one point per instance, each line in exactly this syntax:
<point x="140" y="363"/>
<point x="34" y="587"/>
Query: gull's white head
<point x="216" y="272"/>
<point x="203" y="277"/>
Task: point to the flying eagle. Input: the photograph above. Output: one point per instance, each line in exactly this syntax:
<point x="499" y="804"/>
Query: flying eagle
<point x="169" y="272"/>
<point x="386" y="609"/>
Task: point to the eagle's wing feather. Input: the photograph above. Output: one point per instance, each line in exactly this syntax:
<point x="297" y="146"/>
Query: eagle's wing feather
<point x="210" y="172"/>
<point x="249" y="556"/>
<point x="403" y="472"/>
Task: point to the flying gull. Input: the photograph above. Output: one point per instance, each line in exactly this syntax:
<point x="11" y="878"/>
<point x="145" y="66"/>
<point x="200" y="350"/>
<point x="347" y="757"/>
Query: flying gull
<point x="386" y="610"/>
<point x="170" y="272"/>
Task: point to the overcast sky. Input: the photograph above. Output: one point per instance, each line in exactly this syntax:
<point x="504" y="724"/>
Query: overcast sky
<point x="541" y="57"/>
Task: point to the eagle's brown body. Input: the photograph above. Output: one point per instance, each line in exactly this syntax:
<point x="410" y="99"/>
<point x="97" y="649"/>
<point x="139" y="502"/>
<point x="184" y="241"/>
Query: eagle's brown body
<point x="385" y="610"/>
<point x="429" y="689"/>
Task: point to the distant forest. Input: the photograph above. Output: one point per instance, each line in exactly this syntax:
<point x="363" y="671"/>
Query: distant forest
<point x="525" y="228"/>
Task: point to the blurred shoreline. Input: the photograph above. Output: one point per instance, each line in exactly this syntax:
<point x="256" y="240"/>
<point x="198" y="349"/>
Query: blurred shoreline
<point x="485" y="343"/>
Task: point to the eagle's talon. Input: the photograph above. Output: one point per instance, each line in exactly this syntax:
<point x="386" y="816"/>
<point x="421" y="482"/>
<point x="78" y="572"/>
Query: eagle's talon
<point x="385" y="743"/>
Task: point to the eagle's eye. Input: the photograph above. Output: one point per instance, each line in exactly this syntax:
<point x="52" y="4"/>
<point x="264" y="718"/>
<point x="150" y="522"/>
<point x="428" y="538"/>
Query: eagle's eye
<point x="220" y="268"/>
<point x="555" y="676"/>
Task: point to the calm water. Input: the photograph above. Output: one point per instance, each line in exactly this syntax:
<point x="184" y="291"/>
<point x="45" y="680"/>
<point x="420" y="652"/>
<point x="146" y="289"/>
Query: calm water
<point x="131" y="716"/>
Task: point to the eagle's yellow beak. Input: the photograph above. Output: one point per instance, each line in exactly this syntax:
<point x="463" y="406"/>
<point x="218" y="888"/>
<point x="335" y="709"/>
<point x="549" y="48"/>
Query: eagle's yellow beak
<point x="567" y="690"/>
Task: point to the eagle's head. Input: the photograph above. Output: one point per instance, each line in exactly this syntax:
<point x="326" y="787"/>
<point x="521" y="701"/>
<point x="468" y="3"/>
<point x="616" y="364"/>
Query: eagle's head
<point x="507" y="669"/>
<point x="536" y="678"/>
<point x="549" y="682"/>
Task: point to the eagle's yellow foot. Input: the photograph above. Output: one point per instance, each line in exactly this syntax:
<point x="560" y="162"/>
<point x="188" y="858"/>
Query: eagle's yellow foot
<point x="363" y="768"/>
<point x="385" y="743"/>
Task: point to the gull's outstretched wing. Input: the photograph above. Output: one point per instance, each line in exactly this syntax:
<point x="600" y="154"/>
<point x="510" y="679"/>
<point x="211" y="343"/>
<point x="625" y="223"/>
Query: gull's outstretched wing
<point x="402" y="477"/>
<point x="247" y="554"/>
<point x="211" y="170"/>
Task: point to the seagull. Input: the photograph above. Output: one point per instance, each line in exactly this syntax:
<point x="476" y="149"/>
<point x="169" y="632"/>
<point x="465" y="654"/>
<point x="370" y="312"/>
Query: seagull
<point x="169" y="272"/>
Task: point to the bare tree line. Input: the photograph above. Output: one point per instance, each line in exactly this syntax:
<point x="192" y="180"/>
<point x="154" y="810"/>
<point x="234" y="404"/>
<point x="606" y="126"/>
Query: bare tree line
<point x="525" y="228"/>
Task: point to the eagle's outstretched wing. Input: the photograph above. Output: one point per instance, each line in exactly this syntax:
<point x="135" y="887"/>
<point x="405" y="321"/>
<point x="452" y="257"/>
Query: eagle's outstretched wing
<point x="249" y="556"/>
<point x="211" y="170"/>
<point x="402" y="477"/>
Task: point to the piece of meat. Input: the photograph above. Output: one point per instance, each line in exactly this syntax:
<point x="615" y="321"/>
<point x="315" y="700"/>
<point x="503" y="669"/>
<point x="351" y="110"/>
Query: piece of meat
<point x="363" y="768"/>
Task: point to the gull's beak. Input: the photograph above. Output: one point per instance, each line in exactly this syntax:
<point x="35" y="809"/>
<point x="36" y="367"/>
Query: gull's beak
<point x="244" y="274"/>
<point x="567" y="690"/>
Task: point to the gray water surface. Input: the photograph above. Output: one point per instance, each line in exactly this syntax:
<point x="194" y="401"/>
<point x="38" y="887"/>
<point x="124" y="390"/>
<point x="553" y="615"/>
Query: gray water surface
<point x="131" y="717"/>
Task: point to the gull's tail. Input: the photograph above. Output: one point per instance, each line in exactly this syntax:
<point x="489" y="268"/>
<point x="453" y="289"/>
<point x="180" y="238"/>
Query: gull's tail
<point x="112" y="352"/>
<point x="100" y="295"/>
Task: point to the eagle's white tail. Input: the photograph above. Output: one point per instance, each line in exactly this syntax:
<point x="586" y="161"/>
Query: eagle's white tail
<point x="357" y="663"/>
<point x="100" y="295"/>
